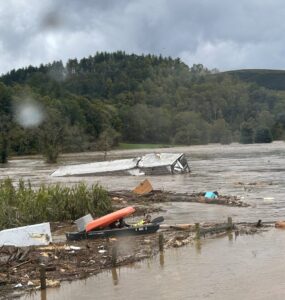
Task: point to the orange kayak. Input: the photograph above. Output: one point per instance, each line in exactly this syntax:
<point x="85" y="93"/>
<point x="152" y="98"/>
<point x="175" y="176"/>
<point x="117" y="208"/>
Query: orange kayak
<point x="109" y="219"/>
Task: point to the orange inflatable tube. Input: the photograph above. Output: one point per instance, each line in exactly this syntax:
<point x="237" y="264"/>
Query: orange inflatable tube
<point x="109" y="219"/>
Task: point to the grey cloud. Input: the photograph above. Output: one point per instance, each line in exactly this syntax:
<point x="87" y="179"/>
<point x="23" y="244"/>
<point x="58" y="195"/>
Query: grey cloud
<point x="218" y="33"/>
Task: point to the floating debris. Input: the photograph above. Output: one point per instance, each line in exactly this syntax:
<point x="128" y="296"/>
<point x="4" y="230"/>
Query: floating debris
<point x="32" y="235"/>
<point x="143" y="188"/>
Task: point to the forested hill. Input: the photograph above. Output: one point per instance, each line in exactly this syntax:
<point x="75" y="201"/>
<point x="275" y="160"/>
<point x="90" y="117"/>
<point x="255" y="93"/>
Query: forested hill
<point x="136" y="98"/>
<point x="271" y="79"/>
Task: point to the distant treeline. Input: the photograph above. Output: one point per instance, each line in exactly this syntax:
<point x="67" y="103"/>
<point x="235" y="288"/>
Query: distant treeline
<point x="112" y="97"/>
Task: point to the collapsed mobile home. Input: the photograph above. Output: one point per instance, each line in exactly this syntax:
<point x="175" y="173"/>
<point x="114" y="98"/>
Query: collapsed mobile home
<point x="149" y="164"/>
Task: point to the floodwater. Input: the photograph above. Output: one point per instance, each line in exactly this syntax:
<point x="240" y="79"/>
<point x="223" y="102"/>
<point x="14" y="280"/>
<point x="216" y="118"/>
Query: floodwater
<point x="256" y="173"/>
<point x="249" y="267"/>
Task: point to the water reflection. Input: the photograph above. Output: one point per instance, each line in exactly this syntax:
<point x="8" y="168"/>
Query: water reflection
<point x="115" y="276"/>
<point x="250" y="267"/>
<point x="198" y="246"/>
<point x="161" y="259"/>
<point x="44" y="294"/>
<point x="230" y="236"/>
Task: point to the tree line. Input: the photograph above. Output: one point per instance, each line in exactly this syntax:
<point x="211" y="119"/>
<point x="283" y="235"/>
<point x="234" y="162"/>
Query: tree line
<point x="110" y="97"/>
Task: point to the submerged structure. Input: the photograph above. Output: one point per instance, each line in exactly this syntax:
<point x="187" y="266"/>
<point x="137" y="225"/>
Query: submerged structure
<point x="149" y="164"/>
<point x="163" y="163"/>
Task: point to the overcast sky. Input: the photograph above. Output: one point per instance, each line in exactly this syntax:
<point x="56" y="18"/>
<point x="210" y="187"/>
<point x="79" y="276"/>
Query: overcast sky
<point x="223" y="34"/>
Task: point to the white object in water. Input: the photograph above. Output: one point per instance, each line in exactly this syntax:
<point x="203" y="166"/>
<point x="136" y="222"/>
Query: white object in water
<point x="268" y="200"/>
<point x="31" y="235"/>
<point x="83" y="221"/>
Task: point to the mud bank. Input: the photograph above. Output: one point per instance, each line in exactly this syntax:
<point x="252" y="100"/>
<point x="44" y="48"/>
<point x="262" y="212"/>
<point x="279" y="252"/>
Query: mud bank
<point x="66" y="261"/>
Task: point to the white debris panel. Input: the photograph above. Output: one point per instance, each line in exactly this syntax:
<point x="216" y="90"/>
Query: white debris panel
<point x="153" y="163"/>
<point x="32" y="235"/>
<point x="82" y="222"/>
<point x="97" y="167"/>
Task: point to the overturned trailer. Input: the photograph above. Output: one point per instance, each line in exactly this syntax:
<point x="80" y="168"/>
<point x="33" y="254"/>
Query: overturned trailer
<point x="163" y="163"/>
<point x="149" y="164"/>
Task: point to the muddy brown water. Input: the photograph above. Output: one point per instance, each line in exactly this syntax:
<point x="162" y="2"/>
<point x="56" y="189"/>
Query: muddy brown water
<point x="245" y="268"/>
<point x="250" y="266"/>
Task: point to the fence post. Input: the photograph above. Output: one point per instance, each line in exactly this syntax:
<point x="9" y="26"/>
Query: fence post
<point x="230" y="223"/>
<point x="43" y="276"/>
<point x="114" y="254"/>
<point x="160" y="241"/>
<point x="197" y="230"/>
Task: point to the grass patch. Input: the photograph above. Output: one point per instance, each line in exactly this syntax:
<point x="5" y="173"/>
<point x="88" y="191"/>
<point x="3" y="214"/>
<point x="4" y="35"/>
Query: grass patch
<point x="126" y="146"/>
<point x="23" y="205"/>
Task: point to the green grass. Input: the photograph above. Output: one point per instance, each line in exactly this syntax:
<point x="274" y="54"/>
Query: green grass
<point x="126" y="146"/>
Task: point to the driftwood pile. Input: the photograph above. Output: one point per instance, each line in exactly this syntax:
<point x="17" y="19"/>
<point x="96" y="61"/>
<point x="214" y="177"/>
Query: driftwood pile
<point x="162" y="196"/>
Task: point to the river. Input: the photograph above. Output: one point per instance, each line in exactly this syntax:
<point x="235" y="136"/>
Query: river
<point x="249" y="267"/>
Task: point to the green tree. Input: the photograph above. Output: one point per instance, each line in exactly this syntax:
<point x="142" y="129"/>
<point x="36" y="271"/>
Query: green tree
<point x="220" y="132"/>
<point x="107" y="139"/>
<point x="5" y="125"/>
<point x="279" y="126"/>
<point x="52" y="136"/>
<point x="190" y="129"/>
<point x="263" y="135"/>
<point x="5" y="122"/>
<point x="265" y="119"/>
<point x="247" y="133"/>
<point x="75" y="139"/>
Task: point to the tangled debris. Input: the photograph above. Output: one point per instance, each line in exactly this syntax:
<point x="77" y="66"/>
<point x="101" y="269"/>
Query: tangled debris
<point x="20" y="267"/>
<point x="157" y="196"/>
<point x="65" y="261"/>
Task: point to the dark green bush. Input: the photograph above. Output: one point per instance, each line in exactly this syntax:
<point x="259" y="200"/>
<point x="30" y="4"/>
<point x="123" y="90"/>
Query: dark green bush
<point x="263" y="135"/>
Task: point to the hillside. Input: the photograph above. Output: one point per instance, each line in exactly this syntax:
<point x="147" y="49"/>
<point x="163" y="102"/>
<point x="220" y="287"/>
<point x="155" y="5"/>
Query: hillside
<point x="111" y="97"/>
<point x="271" y="79"/>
